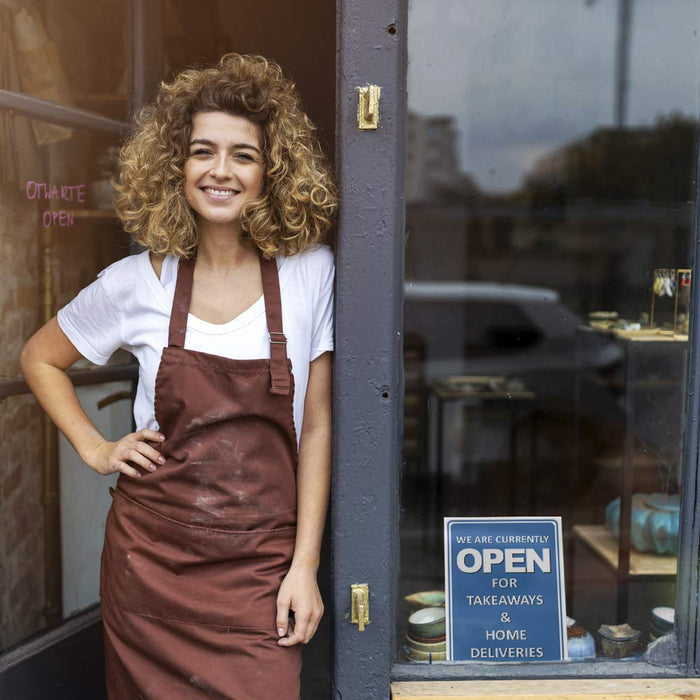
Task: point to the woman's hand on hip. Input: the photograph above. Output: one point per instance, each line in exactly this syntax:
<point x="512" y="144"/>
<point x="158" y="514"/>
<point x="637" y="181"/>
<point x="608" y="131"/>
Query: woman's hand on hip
<point x="298" y="594"/>
<point x="110" y="457"/>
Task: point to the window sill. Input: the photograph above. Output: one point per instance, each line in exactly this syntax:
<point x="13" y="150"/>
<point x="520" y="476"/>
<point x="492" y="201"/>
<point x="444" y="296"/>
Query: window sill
<point x="577" y="689"/>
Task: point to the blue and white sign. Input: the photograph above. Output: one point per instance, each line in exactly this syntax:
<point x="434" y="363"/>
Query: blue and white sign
<point x="504" y="589"/>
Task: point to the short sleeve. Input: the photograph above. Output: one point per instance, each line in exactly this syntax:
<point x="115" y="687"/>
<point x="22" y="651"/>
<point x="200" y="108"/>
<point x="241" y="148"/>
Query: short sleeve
<point x="92" y="323"/>
<point x="322" y="333"/>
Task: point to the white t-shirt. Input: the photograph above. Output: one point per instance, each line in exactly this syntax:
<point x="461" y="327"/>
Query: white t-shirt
<point x="128" y="307"/>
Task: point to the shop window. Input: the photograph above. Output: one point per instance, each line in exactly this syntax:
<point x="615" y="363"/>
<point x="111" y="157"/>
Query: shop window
<point x="58" y="230"/>
<point x="547" y="298"/>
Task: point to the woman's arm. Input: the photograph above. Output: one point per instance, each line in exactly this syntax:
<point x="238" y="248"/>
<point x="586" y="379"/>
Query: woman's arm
<point x="299" y="591"/>
<point x="44" y="360"/>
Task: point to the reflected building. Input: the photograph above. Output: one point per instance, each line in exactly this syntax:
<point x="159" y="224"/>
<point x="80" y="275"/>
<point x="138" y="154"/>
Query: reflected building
<point x="432" y="168"/>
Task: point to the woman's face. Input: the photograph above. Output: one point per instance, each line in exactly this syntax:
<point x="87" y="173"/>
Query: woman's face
<point x="224" y="169"/>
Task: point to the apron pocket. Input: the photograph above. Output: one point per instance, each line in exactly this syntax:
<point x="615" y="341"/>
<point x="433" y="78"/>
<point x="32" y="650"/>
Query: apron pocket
<point x="161" y="568"/>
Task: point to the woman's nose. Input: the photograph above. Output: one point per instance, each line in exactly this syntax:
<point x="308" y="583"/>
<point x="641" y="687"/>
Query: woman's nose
<point x="221" y="167"/>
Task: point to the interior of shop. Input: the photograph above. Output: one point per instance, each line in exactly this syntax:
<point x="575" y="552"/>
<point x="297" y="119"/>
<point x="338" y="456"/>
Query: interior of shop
<point x="547" y="277"/>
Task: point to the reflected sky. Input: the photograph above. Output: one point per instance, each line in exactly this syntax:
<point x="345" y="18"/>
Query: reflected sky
<point x="523" y="77"/>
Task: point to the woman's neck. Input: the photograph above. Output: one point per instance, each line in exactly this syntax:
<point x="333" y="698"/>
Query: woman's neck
<point x="220" y="248"/>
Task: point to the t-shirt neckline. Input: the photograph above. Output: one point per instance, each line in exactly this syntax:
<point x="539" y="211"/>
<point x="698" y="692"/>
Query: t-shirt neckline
<point x="165" y="297"/>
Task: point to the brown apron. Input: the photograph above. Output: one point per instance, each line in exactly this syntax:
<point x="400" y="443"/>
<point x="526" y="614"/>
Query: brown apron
<point x="195" y="552"/>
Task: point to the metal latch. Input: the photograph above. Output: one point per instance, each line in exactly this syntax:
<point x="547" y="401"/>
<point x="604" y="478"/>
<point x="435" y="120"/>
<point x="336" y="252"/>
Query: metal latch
<point x="359" y="611"/>
<point x="368" y="107"/>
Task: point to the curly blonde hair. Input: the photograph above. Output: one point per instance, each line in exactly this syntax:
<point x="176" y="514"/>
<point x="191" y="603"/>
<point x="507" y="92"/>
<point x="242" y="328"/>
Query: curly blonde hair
<point x="298" y="201"/>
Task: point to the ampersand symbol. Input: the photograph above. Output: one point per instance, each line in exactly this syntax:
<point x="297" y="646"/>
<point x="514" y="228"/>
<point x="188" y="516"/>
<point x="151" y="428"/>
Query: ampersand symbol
<point x="505" y="617"/>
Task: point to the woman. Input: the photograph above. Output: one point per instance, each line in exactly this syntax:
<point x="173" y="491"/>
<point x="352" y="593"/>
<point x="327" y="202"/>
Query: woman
<point x="213" y="537"/>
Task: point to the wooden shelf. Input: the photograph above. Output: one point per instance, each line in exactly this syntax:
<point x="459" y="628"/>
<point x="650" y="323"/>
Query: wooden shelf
<point x="605" y="546"/>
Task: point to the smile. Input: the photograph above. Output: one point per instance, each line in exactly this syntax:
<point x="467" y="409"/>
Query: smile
<point x="219" y="193"/>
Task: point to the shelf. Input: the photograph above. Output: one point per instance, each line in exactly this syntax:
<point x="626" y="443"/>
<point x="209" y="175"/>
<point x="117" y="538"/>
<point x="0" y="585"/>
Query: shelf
<point x="605" y="546"/>
<point x="657" y="335"/>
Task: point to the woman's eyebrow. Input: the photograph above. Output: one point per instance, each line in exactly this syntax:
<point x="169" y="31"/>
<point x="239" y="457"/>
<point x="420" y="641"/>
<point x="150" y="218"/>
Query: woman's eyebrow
<point x="207" y="142"/>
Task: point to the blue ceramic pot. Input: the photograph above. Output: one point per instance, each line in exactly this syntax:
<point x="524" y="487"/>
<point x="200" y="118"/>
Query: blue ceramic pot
<point x="612" y="516"/>
<point x="662" y="525"/>
<point x="612" y="512"/>
<point x="640" y="536"/>
<point x="580" y="643"/>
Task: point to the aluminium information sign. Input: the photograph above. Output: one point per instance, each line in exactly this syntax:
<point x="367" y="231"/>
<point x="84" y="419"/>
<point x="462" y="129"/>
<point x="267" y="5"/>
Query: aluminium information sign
<point x="504" y="589"/>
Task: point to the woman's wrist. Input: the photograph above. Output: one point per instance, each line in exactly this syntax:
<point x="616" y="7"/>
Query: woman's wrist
<point x="305" y="562"/>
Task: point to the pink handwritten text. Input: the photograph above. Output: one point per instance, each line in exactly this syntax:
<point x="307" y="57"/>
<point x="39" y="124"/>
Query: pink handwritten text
<point x="57" y="217"/>
<point x="46" y="190"/>
<point x="66" y="193"/>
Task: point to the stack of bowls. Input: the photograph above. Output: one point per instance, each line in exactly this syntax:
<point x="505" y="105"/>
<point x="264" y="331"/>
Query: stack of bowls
<point x="580" y="642"/>
<point x="661" y="622"/>
<point x="425" y="640"/>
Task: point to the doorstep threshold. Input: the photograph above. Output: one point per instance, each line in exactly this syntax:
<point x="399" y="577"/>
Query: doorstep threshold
<point x="565" y="689"/>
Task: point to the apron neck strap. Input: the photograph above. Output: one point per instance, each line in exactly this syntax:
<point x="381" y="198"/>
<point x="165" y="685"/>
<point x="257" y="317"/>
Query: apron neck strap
<point x="181" y="303"/>
<point x="279" y="371"/>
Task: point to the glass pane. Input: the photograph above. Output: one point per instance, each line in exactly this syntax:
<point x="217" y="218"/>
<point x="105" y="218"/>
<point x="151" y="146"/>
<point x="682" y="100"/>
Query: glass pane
<point x="58" y="230"/>
<point x="551" y="159"/>
<point x="71" y="52"/>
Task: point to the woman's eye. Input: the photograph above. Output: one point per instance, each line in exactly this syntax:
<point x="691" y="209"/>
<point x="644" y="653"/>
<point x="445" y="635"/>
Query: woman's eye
<point x="201" y="152"/>
<point x="244" y="156"/>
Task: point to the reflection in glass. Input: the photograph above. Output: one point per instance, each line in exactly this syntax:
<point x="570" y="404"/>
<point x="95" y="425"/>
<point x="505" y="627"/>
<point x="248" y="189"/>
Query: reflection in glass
<point x="71" y="52"/>
<point x="58" y="230"/>
<point x="550" y="173"/>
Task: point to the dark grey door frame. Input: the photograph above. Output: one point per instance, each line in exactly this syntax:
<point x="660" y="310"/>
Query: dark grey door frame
<point x="368" y="386"/>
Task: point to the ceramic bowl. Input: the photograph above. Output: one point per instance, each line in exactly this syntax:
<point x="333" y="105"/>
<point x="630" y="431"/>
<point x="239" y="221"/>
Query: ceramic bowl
<point x="415" y="655"/>
<point x="580" y="643"/>
<point x="427" y="640"/>
<point x="427" y="623"/>
<point x="425" y="599"/>
<point x="662" y="619"/>
<point x="434" y="647"/>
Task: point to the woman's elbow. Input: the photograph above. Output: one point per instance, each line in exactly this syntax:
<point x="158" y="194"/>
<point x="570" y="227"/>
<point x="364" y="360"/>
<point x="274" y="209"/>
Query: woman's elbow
<point x="29" y="358"/>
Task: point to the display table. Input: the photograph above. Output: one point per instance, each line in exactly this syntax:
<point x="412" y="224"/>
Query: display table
<point x="606" y="547"/>
<point x="651" y="387"/>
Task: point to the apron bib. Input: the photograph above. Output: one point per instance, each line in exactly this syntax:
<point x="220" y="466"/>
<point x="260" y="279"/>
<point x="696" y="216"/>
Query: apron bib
<point x="195" y="552"/>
